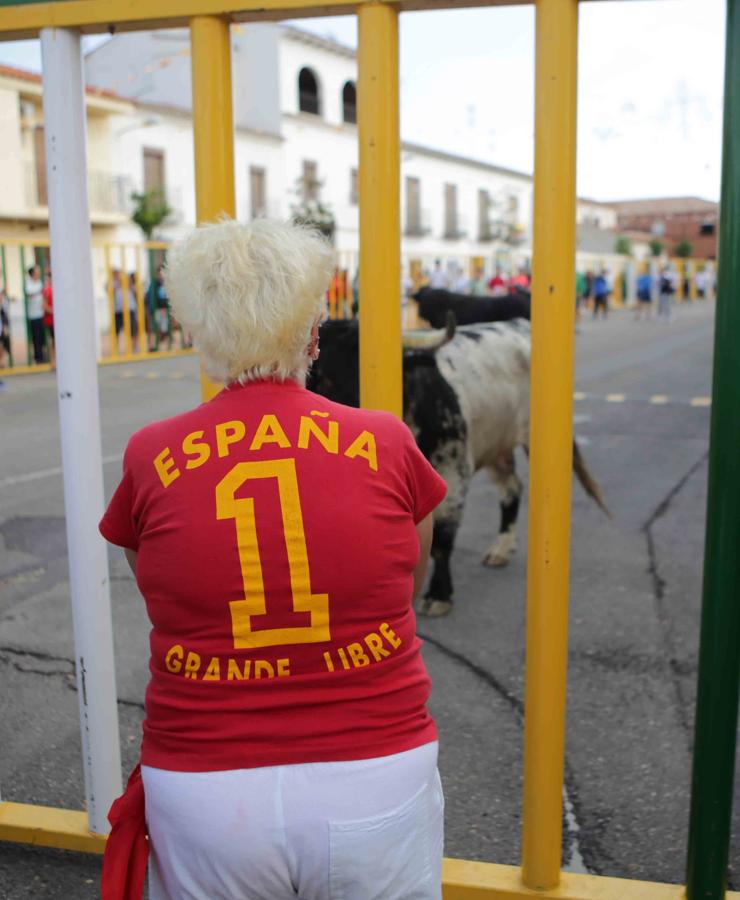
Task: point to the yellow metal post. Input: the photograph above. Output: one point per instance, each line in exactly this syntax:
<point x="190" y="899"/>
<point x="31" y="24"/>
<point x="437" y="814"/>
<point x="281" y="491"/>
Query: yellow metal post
<point x="111" y="303"/>
<point x="125" y="289"/>
<point x="141" y="312"/>
<point x="213" y="128"/>
<point x="551" y="439"/>
<point x="380" y="225"/>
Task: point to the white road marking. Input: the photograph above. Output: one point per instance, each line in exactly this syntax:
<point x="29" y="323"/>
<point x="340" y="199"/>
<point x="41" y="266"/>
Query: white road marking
<point x="581" y="417"/>
<point x="579" y="395"/>
<point x="129" y="374"/>
<point x="48" y="473"/>
<point x="659" y="399"/>
<point x="615" y="398"/>
<point x="701" y="401"/>
<point x="152" y="375"/>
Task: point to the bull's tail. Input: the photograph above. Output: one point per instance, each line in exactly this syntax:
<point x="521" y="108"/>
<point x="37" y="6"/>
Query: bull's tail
<point x="588" y="482"/>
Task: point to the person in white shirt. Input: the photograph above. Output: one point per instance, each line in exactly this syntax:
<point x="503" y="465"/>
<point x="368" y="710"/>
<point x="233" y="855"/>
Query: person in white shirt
<point x="438" y="278"/>
<point x="35" y="297"/>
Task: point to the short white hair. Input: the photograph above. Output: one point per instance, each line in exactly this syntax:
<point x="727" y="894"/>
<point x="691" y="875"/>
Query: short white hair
<point x="249" y="295"/>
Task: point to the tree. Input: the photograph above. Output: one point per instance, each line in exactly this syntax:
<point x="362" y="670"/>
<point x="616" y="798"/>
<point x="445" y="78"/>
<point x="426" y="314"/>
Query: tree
<point x="623" y="246"/>
<point x="656" y="247"/>
<point x="309" y="209"/>
<point x="150" y="210"/>
<point x="684" y="249"/>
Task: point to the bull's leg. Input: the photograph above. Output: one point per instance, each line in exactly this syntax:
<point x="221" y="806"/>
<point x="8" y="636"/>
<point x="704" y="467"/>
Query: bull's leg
<point x="504" y="476"/>
<point x="438" y="598"/>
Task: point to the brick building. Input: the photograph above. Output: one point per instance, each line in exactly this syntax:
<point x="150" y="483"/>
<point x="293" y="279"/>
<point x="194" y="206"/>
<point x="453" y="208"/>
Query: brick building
<point x="671" y="220"/>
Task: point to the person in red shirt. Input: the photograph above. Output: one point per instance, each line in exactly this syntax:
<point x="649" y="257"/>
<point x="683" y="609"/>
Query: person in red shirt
<point x="497" y="284"/>
<point x="278" y="540"/>
<point x="48" y="295"/>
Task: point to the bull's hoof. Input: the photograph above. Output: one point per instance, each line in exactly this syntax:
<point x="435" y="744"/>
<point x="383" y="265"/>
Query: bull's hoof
<point x="495" y="560"/>
<point x="435" y="609"/>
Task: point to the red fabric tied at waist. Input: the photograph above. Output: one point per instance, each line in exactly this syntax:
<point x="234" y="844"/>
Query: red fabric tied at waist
<point x="127" y="848"/>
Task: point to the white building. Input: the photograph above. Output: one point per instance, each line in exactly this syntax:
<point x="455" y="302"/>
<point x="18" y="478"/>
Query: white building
<point x="295" y="115"/>
<point x="295" y="136"/>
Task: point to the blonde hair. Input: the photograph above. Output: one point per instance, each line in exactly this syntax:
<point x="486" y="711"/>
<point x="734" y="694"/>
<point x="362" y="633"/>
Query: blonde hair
<point x="249" y="295"/>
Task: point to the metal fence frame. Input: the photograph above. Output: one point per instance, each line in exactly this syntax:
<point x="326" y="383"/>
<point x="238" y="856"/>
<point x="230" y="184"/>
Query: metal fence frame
<point x="60" y="24"/>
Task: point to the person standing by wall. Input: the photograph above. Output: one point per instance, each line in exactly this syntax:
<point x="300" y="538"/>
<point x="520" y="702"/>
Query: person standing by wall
<point x="48" y="294"/>
<point x="668" y="284"/>
<point x="35" y="296"/>
<point x="644" y="306"/>
<point x="601" y="295"/>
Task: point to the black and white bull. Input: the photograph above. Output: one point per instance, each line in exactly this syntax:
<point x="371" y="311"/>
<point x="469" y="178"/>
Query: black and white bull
<point x="434" y="305"/>
<point x="466" y="400"/>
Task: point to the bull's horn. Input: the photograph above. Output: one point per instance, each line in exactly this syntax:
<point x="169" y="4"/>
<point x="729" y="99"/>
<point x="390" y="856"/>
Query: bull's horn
<point x="430" y="339"/>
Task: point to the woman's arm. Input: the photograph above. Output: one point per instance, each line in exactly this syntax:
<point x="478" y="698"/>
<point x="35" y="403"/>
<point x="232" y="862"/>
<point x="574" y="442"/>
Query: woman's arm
<point x="131" y="559"/>
<point x="424" y="529"/>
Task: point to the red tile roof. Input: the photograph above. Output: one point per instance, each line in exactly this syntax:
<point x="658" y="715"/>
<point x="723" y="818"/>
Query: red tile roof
<point x="35" y="78"/>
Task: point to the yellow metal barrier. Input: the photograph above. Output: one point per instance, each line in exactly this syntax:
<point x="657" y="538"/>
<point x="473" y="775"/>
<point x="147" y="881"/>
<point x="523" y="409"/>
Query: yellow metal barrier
<point x="551" y="439"/>
<point x="380" y="360"/>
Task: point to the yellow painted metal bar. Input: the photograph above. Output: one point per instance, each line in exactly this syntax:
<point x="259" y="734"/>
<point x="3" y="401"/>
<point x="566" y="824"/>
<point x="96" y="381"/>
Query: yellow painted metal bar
<point x="45" y="826"/>
<point x="111" y="303"/>
<point x="125" y="287"/>
<point x="692" y="270"/>
<point x="380" y="225"/>
<point x="97" y="16"/>
<point x="140" y="310"/>
<point x="213" y="128"/>
<point x="551" y="438"/>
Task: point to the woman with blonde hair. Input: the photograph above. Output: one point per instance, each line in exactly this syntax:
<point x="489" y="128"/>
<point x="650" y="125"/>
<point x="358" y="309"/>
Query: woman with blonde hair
<point x="278" y="540"/>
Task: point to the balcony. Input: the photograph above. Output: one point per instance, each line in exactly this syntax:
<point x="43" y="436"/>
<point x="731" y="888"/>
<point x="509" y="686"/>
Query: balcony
<point x="455" y="228"/>
<point x="109" y="194"/>
<point x="418" y="223"/>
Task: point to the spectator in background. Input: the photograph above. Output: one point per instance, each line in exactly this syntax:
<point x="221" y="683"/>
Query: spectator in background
<point x="497" y="285"/>
<point x="589" y="286"/>
<point x="644" y="296"/>
<point x="4" y="328"/>
<point x="160" y="305"/>
<point x="580" y="293"/>
<point x="34" y="288"/>
<point x="519" y="281"/>
<point x="668" y="285"/>
<point x="133" y="306"/>
<point x="48" y="295"/>
<point x="478" y="285"/>
<point x="701" y="280"/>
<point x="439" y="278"/>
<point x="601" y="294"/>
<point x="459" y="282"/>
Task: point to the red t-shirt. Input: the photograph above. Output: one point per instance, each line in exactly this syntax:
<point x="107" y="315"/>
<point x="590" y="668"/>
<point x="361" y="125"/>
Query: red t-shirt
<point x="276" y="544"/>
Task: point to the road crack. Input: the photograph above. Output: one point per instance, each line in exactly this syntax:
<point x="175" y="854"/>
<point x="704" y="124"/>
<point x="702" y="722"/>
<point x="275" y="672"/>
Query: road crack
<point x="573" y="851"/>
<point x="659" y="582"/>
<point x="14" y="656"/>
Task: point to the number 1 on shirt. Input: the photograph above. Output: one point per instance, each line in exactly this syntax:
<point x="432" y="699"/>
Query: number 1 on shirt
<point x="254" y="603"/>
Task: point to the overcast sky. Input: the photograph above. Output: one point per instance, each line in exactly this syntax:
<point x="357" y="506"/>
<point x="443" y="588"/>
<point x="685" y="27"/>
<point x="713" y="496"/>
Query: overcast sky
<point x="649" y="87"/>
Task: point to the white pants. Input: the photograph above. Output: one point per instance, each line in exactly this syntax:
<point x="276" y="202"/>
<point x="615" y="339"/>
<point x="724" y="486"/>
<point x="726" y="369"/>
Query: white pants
<point x="363" y="830"/>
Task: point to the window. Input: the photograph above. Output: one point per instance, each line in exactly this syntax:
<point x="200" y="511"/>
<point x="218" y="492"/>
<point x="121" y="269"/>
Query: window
<point x="451" y="210"/>
<point x="257" y="192"/>
<point x="706" y="229"/>
<point x="154" y="171"/>
<point x="413" y="206"/>
<point x="310" y="180"/>
<point x="484" y="215"/>
<point x="39" y="152"/>
<point x="353" y="189"/>
<point x="349" y="102"/>
<point x="308" y="92"/>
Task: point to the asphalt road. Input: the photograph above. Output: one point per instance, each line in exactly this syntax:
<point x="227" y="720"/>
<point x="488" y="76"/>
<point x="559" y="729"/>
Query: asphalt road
<point x="642" y="419"/>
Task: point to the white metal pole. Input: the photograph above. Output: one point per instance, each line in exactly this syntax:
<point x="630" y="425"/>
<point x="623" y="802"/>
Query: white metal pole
<point x="79" y="417"/>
